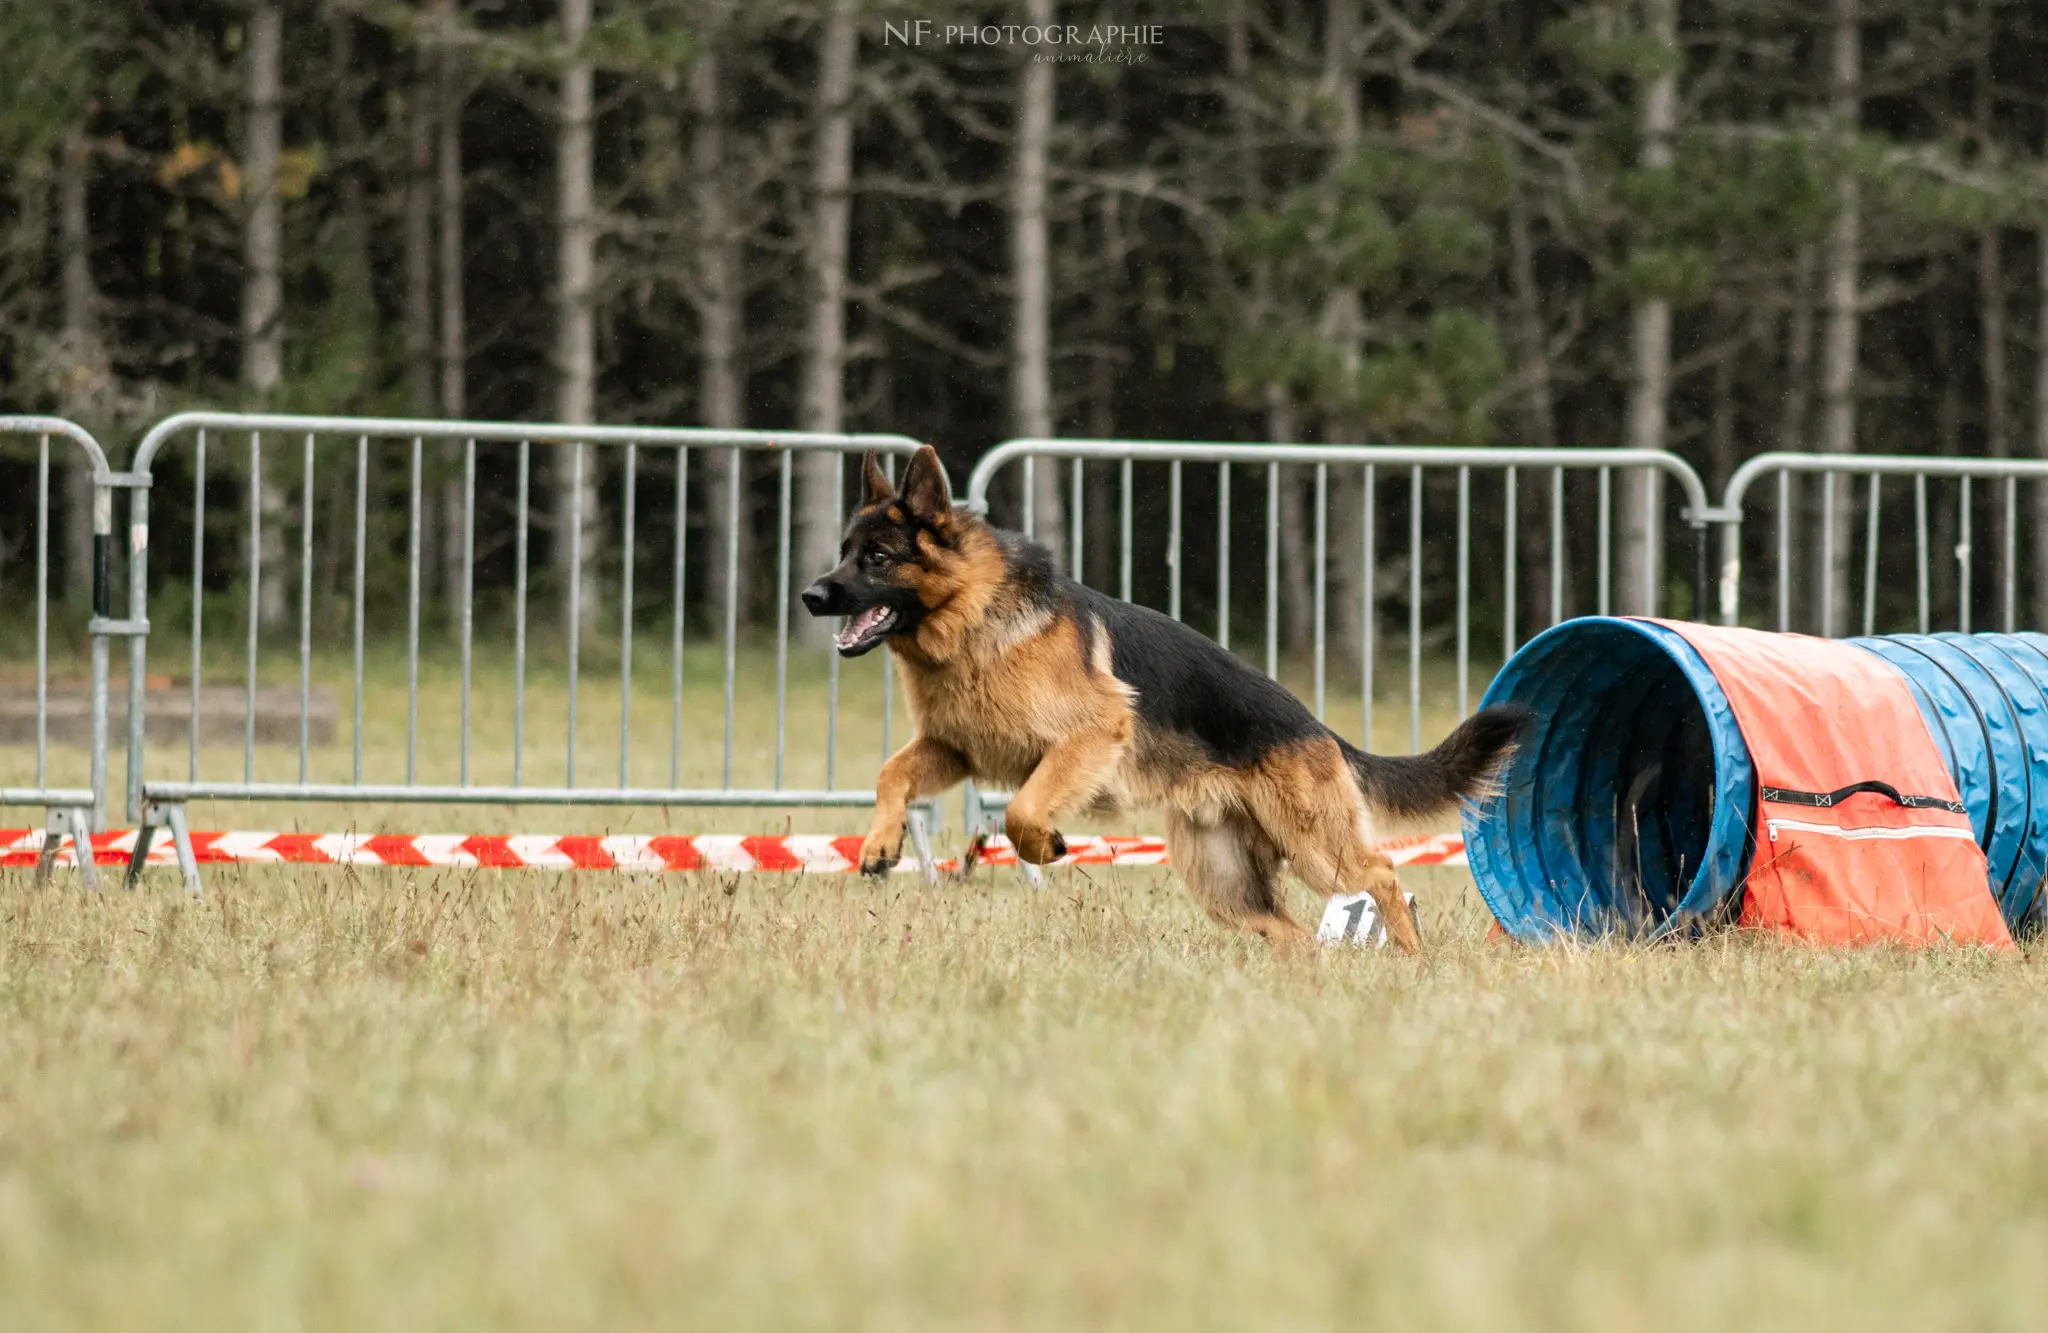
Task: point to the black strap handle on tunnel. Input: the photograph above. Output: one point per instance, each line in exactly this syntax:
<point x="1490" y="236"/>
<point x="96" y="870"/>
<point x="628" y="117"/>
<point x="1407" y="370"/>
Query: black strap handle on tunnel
<point x="1824" y="799"/>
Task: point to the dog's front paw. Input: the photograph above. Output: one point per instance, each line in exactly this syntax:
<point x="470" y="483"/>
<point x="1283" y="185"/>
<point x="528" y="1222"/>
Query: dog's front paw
<point x="1036" y="844"/>
<point x="879" y="855"/>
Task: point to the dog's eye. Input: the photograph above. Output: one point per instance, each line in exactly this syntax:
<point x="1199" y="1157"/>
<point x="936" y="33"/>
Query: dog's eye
<point x="874" y="560"/>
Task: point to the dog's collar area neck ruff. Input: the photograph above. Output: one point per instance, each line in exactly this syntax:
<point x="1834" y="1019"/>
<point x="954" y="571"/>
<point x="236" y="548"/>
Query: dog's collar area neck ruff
<point x="864" y="629"/>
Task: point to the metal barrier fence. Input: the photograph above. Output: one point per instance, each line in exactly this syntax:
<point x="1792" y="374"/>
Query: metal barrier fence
<point x="1832" y="576"/>
<point x="74" y="812"/>
<point x="1391" y="528"/>
<point x="1370" y="467"/>
<point x="157" y="802"/>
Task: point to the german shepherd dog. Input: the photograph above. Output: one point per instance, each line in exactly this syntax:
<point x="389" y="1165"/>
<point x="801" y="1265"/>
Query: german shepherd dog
<point x="1079" y="702"/>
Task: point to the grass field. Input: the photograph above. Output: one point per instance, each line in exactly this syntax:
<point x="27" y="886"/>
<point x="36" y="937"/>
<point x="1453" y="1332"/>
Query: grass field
<point x="326" y="1100"/>
<point x="316" y="1100"/>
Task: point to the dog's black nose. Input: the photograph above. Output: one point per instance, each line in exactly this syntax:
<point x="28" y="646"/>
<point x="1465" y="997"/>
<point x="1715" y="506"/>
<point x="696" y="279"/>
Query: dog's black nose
<point x="818" y="598"/>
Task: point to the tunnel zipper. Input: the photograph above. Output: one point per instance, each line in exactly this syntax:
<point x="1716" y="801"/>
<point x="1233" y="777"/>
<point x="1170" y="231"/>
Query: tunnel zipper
<point x="1772" y="826"/>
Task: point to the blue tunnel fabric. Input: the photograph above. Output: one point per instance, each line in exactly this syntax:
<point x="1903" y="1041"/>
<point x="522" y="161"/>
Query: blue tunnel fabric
<point x="1985" y="698"/>
<point x="1627" y="809"/>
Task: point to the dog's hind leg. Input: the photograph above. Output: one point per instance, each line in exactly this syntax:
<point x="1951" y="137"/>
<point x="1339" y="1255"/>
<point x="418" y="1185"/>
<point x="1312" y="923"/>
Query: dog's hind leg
<point x="1233" y="870"/>
<point x="1307" y="802"/>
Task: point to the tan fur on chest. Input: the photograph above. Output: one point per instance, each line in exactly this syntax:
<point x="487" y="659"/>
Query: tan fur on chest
<point x="1003" y="710"/>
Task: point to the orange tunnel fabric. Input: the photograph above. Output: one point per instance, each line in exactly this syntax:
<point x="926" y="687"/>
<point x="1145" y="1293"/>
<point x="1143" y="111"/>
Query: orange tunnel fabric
<point x="1840" y="867"/>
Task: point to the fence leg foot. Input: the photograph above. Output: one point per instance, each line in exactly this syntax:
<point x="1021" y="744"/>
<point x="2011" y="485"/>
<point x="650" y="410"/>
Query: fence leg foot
<point x="53" y="838"/>
<point x="82" y="854"/>
<point x="62" y="822"/>
<point x="144" y="836"/>
<point x="921" y="836"/>
<point x="181" y="839"/>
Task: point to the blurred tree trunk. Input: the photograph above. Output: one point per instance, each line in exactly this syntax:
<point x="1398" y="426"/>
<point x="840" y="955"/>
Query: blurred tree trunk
<point x="1345" y="320"/>
<point x="1539" y="412"/>
<point x="454" y="350"/>
<point x="576" y="517"/>
<point x="419" y="237"/>
<point x="824" y="374"/>
<point x="1297" y="556"/>
<point x="1992" y="316"/>
<point x="1638" y="581"/>
<point x="1944" y="585"/>
<point x="1843" y="262"/>
<point x="1105" y="480"/>
<point x="1031" y="280"/>
<point x="262" y="285"/>
<point x="719" y="299"/>
<point x="334" y="548"/>
<point x="86" y="381"/>
<point x="2039" y="583"/>
<point x="1793" y="418"/>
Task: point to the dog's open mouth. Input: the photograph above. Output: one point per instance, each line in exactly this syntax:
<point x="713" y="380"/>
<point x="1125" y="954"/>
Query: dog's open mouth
<point x="863" y="630"/>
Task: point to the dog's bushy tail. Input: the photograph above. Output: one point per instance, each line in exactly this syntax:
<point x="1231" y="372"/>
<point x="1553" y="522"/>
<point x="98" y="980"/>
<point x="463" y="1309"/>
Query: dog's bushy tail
<point x="1467" y="766"/>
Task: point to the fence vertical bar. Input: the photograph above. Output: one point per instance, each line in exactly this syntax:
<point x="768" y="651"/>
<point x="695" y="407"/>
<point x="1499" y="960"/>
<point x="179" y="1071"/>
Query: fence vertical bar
<point x="1464" y="591"/>
<point x="1511" y="504"/>
<point x="42" y="608"/>
<point x="1870" y="559"/>
<point x="1920" y="549"/>
<point x="1963" y="553"/>
<point x="1368" y="614"/>
<point x="1827" y="555"/>
<point x="675" y="683"/>
<point x="356" y="611"/>
<point x="1556" y="545"/>
<point x="1273" y="569"/>
<point x="198" y="595"/>
<point x="1223" y="554"/>
<point x="832" y="658"/>
<point x="1077" y="490"/>
<point x="519" y="551"/>
<point x="305" y="604"/>
<point x="2012" y="560"/>
<point x="1415" y="610"/>
<point x="574" y="537"/>
<point x="1784" y="552"/>
<point x="732" y="594"/>
<point x="1173" y="539"/>
<point x="468" y="611"/>
<point x="1031" y="497"/>
<point x="1606" y="537"/>
<point x="138" y="647"/>
<point x="1124" y="573"/>
<point x="412" y="623"/>
<point x="782" y="611"/>
<point x="628" y="521"/>
<point x="255" y="602"/>
<point x="1651" y="481"/>
<point x="1322" y="579"/>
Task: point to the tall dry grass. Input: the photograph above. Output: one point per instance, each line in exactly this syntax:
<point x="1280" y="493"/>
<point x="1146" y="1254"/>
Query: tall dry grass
<point x="320" y="1100"/>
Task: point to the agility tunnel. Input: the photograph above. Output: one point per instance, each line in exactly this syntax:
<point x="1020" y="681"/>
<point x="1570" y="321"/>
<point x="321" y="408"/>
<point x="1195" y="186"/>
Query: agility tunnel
<point x="1677" y="776"/>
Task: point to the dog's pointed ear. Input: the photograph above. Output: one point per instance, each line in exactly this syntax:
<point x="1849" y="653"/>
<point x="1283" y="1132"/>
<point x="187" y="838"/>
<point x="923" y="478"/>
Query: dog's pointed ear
<point x="879" y="487"/>
<point x="924" y="491"/>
